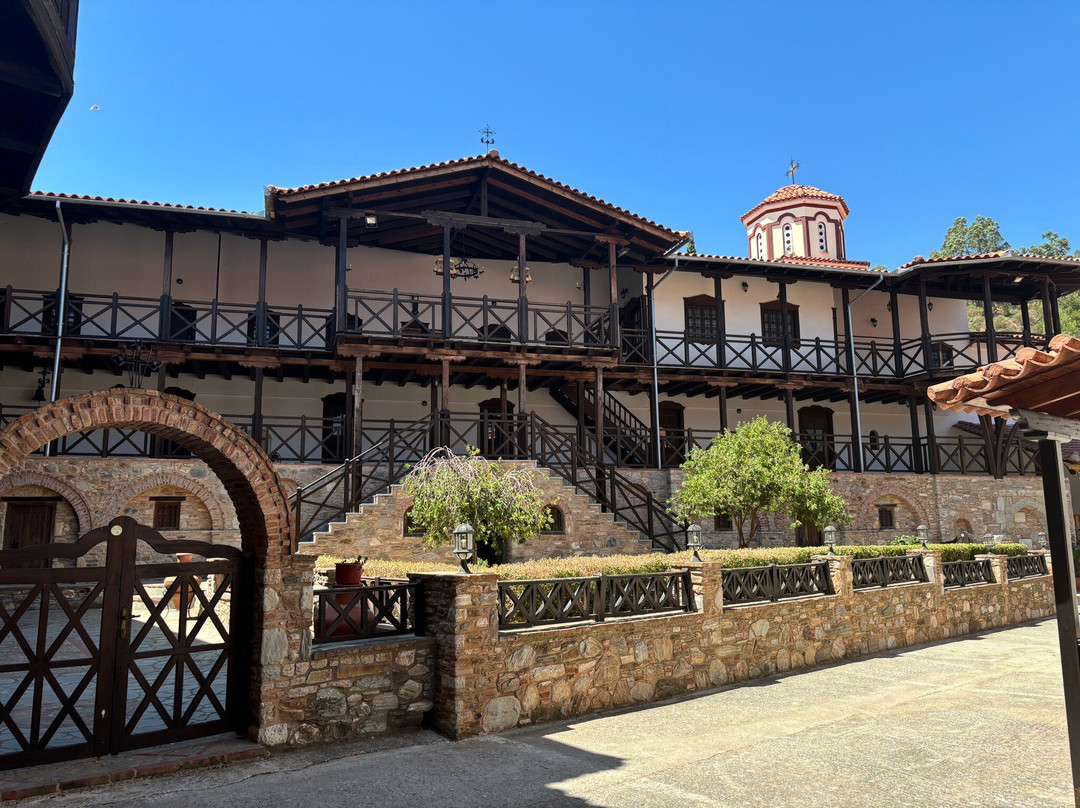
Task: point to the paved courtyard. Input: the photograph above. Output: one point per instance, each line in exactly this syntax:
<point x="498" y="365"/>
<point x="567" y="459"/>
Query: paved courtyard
<point x="972" y="722"/>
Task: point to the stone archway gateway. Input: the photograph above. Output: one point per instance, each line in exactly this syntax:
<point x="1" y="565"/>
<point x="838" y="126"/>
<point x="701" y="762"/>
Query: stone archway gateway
<point x="265" y="526"/>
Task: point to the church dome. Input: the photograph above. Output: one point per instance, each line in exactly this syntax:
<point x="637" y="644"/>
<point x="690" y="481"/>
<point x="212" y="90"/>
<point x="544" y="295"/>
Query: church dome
<point x="797" y="221"/>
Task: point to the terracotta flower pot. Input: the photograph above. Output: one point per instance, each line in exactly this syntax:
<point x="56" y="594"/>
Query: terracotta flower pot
<point x="350" y="574"/>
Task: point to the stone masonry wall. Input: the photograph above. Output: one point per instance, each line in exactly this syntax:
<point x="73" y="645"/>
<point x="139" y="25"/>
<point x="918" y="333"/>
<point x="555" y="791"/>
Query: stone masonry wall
<point x="492" y="681"/>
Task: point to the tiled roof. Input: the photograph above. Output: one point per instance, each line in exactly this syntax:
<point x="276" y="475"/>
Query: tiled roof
<point x="491" y="158"/>
<point x="918" y="260"/>
<point x="789" y="192"/>
<point x="138" y="202"/>
<point x="1020" y="382"/>
<point x="788" y="259"/>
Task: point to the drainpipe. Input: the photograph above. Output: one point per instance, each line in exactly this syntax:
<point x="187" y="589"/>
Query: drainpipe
<point x="61" y="309"/>
<point x="652" y="352"/>
<point x="850" y="336"/>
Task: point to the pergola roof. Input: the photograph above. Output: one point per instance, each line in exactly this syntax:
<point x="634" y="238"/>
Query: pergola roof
<point x="1014" y="276"/>
<point x="563" y="222"/>
<point x="1039" y="381"/>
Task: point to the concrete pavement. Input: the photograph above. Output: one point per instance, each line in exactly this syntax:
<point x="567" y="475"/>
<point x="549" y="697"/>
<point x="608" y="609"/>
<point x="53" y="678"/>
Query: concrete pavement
<point x="977" y="721"/>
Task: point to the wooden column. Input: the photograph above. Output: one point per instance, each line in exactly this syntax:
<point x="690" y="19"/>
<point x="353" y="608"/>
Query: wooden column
<point x="898" y="351"/>
<point x="521" y="391"/>
<point x="916" y="440"/>
<point x="260" y="309"/>
<point x="931" y="436"/>
<point x="586" y="286"/>
<point x="1056" y="310"/>
<point x="654" y="427"/>
<point x="613" y="282"/>
<point x="257" y="410"/>
<point x="924" y="324"/>
<point x="1048" y="311"/>
<point x="447" y="321"/>
<point x="581" y="413"/>
<point x="785" y="327"/>
<point x="598" y="408"/>
<point x="722" y="398"/>
<point x="347" y="439"/>
<point x="502" y="398"/>
<point x="849" y="340"/>
<point x="523" y="295"/>
<point x="1025" y="319"/>
<point x="721" y="324"/>
<point x="165" y="317"/>
<point x="444" y="403"/>
<point x="988" y="315"/>
<point x="340" y="267"/>
<point x="358" y="406"/>
<point x="856" y="432"/>
<point x="789" y="408"/>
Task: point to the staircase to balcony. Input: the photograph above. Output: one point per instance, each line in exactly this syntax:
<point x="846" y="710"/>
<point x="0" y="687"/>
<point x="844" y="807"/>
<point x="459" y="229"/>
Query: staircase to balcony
<point x="626" y="438"/>
<point x="345" y="490"/>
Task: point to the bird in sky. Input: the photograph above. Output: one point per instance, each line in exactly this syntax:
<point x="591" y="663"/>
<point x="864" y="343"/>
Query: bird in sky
<point x="95" y="106"/>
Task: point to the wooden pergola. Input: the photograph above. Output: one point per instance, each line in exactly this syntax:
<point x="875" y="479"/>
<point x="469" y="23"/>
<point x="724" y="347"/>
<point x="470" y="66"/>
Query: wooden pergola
<point x="1041" y="391"/>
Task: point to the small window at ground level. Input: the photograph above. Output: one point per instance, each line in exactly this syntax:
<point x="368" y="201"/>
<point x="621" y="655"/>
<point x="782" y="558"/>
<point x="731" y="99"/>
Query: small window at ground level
<point x="167" y="515"/>
<point x="558" y="522"/>
<point x="722" y="523"/>
<point x="409" y="527"/>
<point x="886" y="515"/>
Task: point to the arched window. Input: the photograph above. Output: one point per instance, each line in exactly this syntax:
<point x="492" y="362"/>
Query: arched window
<point x="874" y="438"/>
<point x="822" y="238"/>
<point x="558" y="522"/>
<point x="787" y="239"/>
<point x="760" y="246"/>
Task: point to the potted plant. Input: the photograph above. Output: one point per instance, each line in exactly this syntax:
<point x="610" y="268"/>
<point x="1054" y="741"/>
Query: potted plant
<point x="347" y="574"/>
<point x="350" y="573"/>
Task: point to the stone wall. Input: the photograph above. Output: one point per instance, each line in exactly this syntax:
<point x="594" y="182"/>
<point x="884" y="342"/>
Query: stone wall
<point x="491" y="681"/>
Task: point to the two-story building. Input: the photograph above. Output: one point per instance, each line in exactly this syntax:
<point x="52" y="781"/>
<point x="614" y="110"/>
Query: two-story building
<point x="478" y="302"/>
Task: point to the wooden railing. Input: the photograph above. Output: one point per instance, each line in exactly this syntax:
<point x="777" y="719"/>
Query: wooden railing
<point x="887" y="571"/>
<point x="967" y="573"/>
<point x="775" y="582"/>
<point x="1026" y="566"/>
<point x="556" y="601"/>
<point x="373" y="610"/>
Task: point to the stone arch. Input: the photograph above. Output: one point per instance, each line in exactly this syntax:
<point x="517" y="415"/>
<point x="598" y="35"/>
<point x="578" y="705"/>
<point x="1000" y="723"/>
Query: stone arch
<point x="1034" y="517"/>
<point x="245" y="471"/>
<point x="121" y="497"/>
<point x="896" y="491"/>
<point x="77" y="501"/>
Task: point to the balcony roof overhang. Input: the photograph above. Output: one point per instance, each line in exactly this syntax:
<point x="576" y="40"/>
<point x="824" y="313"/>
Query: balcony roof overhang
<point x="486" y="200"/>
<point x="851" y="274"/>
<point x="1014" y="277"/>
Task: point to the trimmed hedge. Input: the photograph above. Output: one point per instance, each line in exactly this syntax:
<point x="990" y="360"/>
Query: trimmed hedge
<point x="763" y="556"/>
<point x="967" y="552"/>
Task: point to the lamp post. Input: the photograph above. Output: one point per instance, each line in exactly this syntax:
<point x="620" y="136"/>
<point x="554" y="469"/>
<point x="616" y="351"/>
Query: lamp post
<point x="693" y="540"/>
<point x="464" y="546"/>
<point x="1040" y="538"/>
<point x="830" y="538"/>
<point x="923" y="532"/>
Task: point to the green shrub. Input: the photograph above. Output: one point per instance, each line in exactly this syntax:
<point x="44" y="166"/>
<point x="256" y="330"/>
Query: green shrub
<point x="1009" y="549"/>
<point x="762" y="556"/>
<point x="906" y="541"/>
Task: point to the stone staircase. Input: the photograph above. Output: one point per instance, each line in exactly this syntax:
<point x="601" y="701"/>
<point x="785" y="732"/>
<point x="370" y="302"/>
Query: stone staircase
<point x="377" y="528"/>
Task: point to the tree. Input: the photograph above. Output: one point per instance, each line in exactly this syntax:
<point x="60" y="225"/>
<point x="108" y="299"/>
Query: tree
<point x="1053" y="246"/>
<point x="982" y="236"/>
<point x="752" y="472"/>
<point x="502" y="503"/>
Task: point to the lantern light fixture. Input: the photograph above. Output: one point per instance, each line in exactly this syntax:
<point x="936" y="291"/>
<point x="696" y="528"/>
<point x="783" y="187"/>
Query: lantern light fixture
<point x="693" y="540"/>
<point x="830" y="537"/>
<point x="464" y="544"/>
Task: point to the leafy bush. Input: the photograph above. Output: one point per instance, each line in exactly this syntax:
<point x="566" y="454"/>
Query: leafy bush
<point x="763" y="556"/>
<point x="1009" y="549"/>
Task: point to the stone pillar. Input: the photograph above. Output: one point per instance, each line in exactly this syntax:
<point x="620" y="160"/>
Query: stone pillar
<point x="999" y="566"/>
<point x="843" y="582"/>
<point x="707" y="580"/>
<point x="932" y="562"/>
<point x="461" y="613"/>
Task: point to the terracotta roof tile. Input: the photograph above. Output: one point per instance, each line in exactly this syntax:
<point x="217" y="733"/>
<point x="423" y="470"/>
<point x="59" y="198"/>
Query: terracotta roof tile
<point x="791" y="259"/>
<point x="138" y="202"/>
<point x="788" y="192"/>
<point x="491" y="157"/>
<point x="941" y="259"/>
<point x="969" y="393"/>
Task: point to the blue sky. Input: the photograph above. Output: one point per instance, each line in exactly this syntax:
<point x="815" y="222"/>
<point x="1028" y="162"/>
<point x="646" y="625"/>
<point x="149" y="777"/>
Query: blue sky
<point x="688" y="113"/>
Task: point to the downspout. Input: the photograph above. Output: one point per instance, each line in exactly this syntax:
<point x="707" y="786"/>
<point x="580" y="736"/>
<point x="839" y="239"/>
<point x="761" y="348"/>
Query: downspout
<point x="850" y="337"/>
<point x="652" y="352"/>
<point x="61" y="309"/>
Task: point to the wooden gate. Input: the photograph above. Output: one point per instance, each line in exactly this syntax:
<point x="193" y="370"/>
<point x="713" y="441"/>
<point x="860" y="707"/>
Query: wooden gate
<point x="99" y="659"/>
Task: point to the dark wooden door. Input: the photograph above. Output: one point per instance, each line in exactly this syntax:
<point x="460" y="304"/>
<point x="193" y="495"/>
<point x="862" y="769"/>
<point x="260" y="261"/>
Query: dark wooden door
<point x="99" y="659"/>
<point x="816" y="437"/>
<point x="27" y="524"/>
<point x="672" y="433"/>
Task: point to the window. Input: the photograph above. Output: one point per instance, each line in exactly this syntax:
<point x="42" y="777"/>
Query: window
<point x="772" y="325"/>
<point x="761" y="246"/>
<point x="787" y="240"/>
<point x="167" y="514"/>
<point x="722" y="523"/>
<point x="701" y="317"/>
<point x="874" y="438"/>
<point x="409" y="527"/>
<point x="886" y="515"/>
<point x="822" y="238"/>
<point x="558" y="523"/>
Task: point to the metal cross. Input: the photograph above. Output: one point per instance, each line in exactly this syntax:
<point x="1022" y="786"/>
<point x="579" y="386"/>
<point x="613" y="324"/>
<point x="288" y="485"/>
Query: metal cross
<point x="487" y="137"/>
<point x="793" y="166"/>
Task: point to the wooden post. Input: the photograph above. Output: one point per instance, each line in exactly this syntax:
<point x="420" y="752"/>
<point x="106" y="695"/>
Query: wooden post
<point x="164" y="320"/>
<point x="521" y="389"/>
<point x="721" y="324"/>
<point x="916" y="440"/>
<point x="924" y="324"/>
<point x="789" y="408"/>
<point x="988" y="315"/>
<point x="1025" y="319"/>
<point x="931" y="436"/>
<point x="260" y="308"/>
<point x="257" y="411"/>
<point x="523" y="296"/>
<point x="856" y="433"/>
<point x="447" y="322"/>
<point x="613" y="282"/>
<point x="598" y="408"/>
<point x="654" y="428"/>
<point x="444" y="404"/>
<point x="347" y="439"/>
<point x="340" y="267"/>
<point x="723" y="409"/>
<point x="502" y="398"/>
<point x="898" y="351"/>
<point x="586" y="286"/>
<point x="785" y="328"/>
<point x="1048" y="311"/>
<point x="358" y="406"/>
<point x="849" y="339"/>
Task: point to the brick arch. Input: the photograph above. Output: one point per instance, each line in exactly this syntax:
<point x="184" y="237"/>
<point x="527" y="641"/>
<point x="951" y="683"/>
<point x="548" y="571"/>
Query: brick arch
<point x="250" y="480"/>
<point x="77" y="501"/>
<point x="120" y="498"/>
<point x="891" y="489"/>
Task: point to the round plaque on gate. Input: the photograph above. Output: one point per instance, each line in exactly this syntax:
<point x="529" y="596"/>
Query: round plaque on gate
<point x="116" y="530"/>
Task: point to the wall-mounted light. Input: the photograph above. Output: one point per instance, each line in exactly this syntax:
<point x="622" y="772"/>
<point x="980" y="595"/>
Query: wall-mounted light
<point x="39" y="393"/>
<point x="745" y="286"/>
<point x="930" y="305"/>
<point x="888" y="306"/>
<point x="371" y="220"/>
<point x="873" y="322"/>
